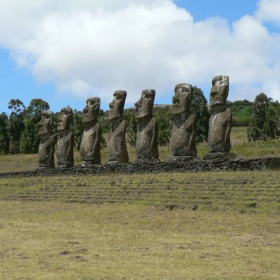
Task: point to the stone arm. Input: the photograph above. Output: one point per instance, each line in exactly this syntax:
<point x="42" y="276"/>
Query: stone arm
<point x="98" y="138"/>
<point x="121" y="133"/>
<point x="52" y="142"/>
<point x="70" y="144"/>
<point x="155" y="136"/>
<point x="192" y="141"/>
<point x="228" y="127"/>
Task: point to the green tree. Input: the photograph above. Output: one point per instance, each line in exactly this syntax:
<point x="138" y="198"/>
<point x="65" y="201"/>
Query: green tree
<point x="163" y="116"/>
<point x="35" y="109"/>
<point x="4" y="136"/>
<point x="29" y="140"/>
<point x="131" y="127"/>
<point x="263" y="123"/>
<point x="78" y="128"/>
<point x="200" y="109"/>
<point x="16" y="124"/>
<point x="270" y="125"/>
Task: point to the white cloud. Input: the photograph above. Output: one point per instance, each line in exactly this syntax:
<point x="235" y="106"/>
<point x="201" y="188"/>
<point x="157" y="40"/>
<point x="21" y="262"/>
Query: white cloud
<point x="91" y="47"/>
<point x="269" y="10"/>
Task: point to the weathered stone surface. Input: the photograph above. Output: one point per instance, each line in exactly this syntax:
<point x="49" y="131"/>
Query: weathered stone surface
<point x="256" y="164"/>
<point x="92" y="135"/>
<point x="147" y="131"/>
<point x="65" y="143"/>
<point x="183" y="158"/>
<point x="117" y="150"/>
<point x="219" y="155"/>
<point x="47" y="141"/>
<point x="184" y="126"/>
<point x="221" y="117"/>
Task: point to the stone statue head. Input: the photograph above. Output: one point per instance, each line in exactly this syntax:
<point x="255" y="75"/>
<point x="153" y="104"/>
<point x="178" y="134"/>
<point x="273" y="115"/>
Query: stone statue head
<point x="182" y="98"/>
<point x="144" y="106"/>
<point x="116" y="106"/>
<point x="46" y="123"/>
<point x="91" y="110"/>
<point x="64" y="119"/>
<point x="219" y="91"/>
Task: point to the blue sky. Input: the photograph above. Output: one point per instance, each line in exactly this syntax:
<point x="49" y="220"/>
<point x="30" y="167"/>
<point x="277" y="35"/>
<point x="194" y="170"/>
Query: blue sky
<point x="63" y="55"/>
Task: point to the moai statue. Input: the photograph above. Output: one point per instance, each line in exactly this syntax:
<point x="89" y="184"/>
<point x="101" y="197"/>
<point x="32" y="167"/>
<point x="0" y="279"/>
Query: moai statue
<point x="117" y="151"/>
<point x="220" y="120"/>
<point x="92" y="135"/>
<point x="47" y="141"/>
<point x="65" y="143"/>
<point x="147" y="131"/>
<point x="183" y="131"/>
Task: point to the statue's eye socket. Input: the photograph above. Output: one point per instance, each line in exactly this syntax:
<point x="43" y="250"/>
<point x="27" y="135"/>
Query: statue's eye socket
<point x="47" y="116"/>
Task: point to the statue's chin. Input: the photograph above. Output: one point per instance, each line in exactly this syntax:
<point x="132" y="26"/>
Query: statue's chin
<point x="142" y="115"/>
<point x="114" y="115"/>
<point x="178" y="110"/>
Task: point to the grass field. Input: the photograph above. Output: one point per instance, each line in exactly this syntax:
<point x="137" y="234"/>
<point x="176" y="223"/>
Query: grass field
<point x="50" y="240"/>
<point x="156" y="226"/>
<point x="207" y="225"/>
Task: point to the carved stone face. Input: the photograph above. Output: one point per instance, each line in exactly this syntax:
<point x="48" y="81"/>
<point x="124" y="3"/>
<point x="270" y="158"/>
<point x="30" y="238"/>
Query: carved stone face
<point x="116" y="106"/>
<point x="182" y="98"/>
<point x="219" y="91"/>
<point x="64" y="119"/>
<point x="46" y="122"/>
<point x="91" y="110"/>
<point x="144" y="106"/>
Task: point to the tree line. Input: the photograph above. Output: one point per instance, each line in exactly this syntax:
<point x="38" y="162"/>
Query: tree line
<point x="19" y="134"/>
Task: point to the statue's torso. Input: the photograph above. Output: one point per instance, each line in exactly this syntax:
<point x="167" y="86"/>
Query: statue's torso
<point x="64" y="149"/>
<point x="46" y="151"/>
<point x="117" y="150"/>
<point x="90" y="144"/>
<point x="183" y="138"/>
<point x="146" y="140"/>
<point x="219" y="128"/>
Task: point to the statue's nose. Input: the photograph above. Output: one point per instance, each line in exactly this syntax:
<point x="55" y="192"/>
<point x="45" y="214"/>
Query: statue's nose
<point x="138" y="103"/>
<point x="85" y="110"/>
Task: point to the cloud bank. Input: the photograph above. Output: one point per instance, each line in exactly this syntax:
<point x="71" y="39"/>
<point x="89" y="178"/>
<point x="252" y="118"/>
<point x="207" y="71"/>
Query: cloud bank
<point x="92" y="48"/>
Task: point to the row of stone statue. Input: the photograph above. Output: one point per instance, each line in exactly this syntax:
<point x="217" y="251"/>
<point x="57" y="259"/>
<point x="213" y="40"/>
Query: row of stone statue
<point x="183" y="132"/>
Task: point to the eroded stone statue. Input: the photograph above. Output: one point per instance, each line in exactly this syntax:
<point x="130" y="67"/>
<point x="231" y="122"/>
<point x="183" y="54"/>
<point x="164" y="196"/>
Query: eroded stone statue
<point x="117" y="151"/>
<point x="47" y="141"/>
<point x="183" y="131"/>
<point x="220" y="119"/>
<point x="92" y="135"/>
<point x="147" y="131"/>
<point x="65" y="143"/>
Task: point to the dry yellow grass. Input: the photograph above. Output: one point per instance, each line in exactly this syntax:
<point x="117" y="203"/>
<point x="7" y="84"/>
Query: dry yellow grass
<point x="234" y="233"/>
<point x="48" y="240"/>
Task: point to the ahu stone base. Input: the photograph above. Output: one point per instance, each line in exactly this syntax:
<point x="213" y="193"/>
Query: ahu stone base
<point x="159" y="167"/>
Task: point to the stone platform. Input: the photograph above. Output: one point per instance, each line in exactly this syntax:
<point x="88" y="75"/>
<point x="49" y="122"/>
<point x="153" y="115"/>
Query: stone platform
<point x="214" y="165"/>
